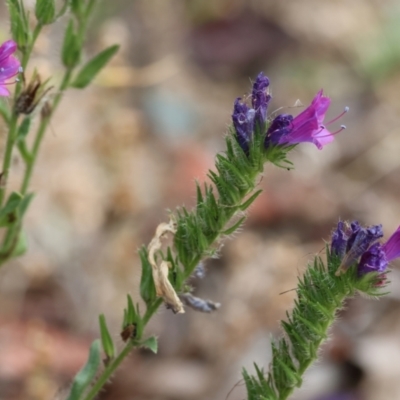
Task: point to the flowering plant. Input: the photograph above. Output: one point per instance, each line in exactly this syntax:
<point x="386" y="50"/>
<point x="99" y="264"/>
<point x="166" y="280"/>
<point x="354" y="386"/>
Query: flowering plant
<point x="355" y="260"/>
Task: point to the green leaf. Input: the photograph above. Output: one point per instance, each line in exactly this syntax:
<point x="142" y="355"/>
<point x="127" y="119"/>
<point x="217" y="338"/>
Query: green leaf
<point x="233" y="227"/>
<point x="77" y="7"/>
<point x="8" y="213"/>
<point x="249" y="201"/>
<point x="23" y="149"/>
<point x="63" y="9"/>
<point x="21" y="246"/>
<point x="26" y="201"/>
<point x="87" y="373"/>
<point x="93" y="67"/>
<point x="19" y="28"/>
<point x="5" y="111"/>
<point x="131" y="312"/>
<point x="147" y="288"/>
<point x="23" y="129"/>
<point x="151" y="343"/>
<point x="71" y="49"/>
<point x="45" y="11"/>
<point x="106" y="339"/>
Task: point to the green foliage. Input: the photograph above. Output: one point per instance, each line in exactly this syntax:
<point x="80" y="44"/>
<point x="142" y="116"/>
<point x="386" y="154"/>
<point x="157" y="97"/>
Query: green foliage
<point x="5" y="110"/>
<point x="87" y="373"/>
<point x="151" y="344"/>
<point x="23" y="129"/>
<point x="234" y="181"/>
<point x="71" y="49"/>
<point x="93" y="67"/>
<point x="106" y="340"/>
<point x="77" y="8"/>
<point x="11" y="215"/>
<point x="147" y="288"/>
<point x="8" y="214"/>
<point x="320" y="294"/>
<point x="19" y="23"/>
<point x="45" y="11"/>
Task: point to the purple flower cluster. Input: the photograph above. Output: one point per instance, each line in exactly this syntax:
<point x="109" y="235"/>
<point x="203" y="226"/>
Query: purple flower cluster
<point x="354" y="243"/>
<point x="284" y="129"/>
<point x="9" y="65"/>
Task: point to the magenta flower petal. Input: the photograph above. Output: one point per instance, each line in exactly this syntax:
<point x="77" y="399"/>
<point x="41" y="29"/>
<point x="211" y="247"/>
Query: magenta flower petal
<point x="6" y="49"/>
<point x="4" y="92"/>
<point x="392" y="246"/>
<point x="322" y="138"/>
<point x="9" y="65"/>
<point x="308" y="125"/>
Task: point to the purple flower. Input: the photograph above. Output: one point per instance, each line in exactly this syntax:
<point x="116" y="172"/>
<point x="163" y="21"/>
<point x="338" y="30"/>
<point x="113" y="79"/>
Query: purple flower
<point x="260" y="98"/>
<point x="351" y="241"/>
<point x="392" y="246"/>
<point x="9" y="65"/>
<point x="354" y="243"/>
<point x="373" y="260"/>
<point x="284" y="129"/>
<point x="378" y="256"/>
<point x="307" y="126"/>
<point x="340" y="237"/>
<point x="243" y="121"/>
<point x="279" y="127"/>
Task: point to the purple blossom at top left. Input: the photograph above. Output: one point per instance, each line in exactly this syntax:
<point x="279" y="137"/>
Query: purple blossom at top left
<point x="9" y="65"/>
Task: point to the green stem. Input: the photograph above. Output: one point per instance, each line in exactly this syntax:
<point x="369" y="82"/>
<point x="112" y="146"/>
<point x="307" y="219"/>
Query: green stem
<point x="14" y="118"/>
<point x="8" y="156"/>
<point x="110" y="369"/>
<point x="151" y="310"/>
<point x="40" y="133"/>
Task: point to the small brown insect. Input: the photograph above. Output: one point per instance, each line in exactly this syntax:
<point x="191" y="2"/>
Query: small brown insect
<point x="129" y="332"/>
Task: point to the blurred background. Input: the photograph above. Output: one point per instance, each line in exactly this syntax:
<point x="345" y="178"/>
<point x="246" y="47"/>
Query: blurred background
<point x="121" y="153"/>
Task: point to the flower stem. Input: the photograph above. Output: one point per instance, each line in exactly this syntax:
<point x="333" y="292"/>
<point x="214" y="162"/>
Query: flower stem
<point x="109" y="370"/>
<point x="8" y="157"/>
<point x="40" y="133"/>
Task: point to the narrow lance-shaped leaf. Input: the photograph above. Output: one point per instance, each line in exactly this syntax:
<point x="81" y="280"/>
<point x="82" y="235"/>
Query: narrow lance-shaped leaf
<point x="21" y="245"/>
<point x="23" y="128"/>
<point x="87" y="373"/>
<point x="93" y="67"/>
<point x="108" y="345"/>
<point x="131" y="312"/>
<point x="45" y="11"/>
<point x="19" y="30"/>
<point x="71" y="49"/>
<point x="244" y="206"/>
<point x="147" y="288"/>
<point x="6" y="213"/>
<point x="234" y="227"/>
<point x="5" y="111"/>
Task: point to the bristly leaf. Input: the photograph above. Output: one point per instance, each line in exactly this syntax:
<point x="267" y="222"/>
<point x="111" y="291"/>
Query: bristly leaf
<point x="93" y="67"/>
<point x="5" y="110"/>
<point x="77" y="7"/>
<point x="151" y="344"/>
<point x="19" y="27"/>
<point x="8" y="213"/>
<point x="24" y="128"/>
<point x="108" y="345"/>
<point x="87" y="373"/>
<point x="244" y="206"/>
<point x="147" y="288"/>
<point x="45" y="11"/>
<point x="234" y="227"/>
<point x="71" y="49"/>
